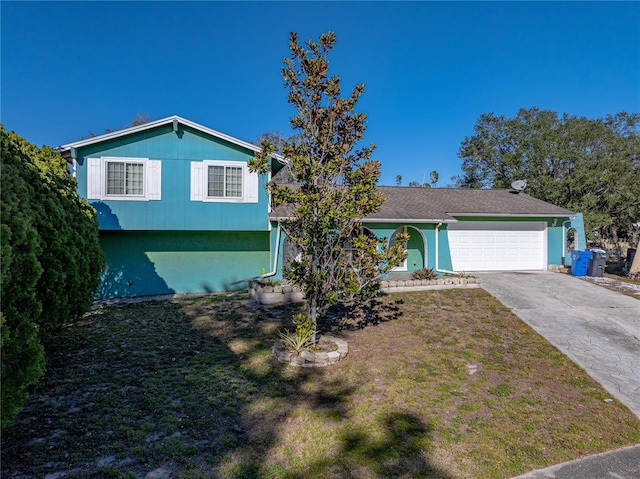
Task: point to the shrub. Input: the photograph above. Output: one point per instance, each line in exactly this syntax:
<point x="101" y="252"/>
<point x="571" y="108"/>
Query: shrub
<point x="303" y="338"/>
<point x="51" y="261"/>
<point x="424" y="273"/>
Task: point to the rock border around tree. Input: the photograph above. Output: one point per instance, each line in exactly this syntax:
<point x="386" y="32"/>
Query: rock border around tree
<point x="308" y="359"/>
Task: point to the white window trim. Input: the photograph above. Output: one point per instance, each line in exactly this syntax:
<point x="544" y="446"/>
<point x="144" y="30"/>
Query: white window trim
<point x="403" y="266"/>
<point x="97" y="178"/>
<point x="223" y="199"/>
<point x="200" y="176"/>
<point x="133" y="161"/>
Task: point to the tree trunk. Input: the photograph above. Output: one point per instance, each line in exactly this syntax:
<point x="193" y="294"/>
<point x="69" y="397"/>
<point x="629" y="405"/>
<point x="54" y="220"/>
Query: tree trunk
<point x="313" y="313"/>
<point x="634" y="272"/>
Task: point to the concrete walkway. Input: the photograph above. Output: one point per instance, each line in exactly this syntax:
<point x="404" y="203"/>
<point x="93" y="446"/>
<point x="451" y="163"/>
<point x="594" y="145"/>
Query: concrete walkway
<point x="619" y="464"/>
<point x="597" y="328"/>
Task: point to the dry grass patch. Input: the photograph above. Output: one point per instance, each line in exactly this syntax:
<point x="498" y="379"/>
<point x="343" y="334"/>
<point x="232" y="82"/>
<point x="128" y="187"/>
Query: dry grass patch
<point x="442" y="384"/>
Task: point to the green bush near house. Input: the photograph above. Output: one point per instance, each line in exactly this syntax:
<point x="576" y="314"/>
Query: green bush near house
<point x="51" y="261"/>
<point x="424" y="273"/>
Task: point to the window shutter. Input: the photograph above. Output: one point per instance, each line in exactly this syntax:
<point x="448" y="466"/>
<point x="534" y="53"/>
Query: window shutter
<point x="94" y="178"/>
<point x="154" y="180"/>
<point x="197" y="181"/>
<point x="252" y="184"/>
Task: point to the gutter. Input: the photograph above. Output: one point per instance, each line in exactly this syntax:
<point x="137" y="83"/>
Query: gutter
<point x="438" y="270"/>
<point x="512" y="215"/>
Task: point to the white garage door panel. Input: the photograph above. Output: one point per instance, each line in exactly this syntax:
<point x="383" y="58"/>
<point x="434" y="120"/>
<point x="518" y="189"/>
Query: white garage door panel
<point x="491" y="246"/>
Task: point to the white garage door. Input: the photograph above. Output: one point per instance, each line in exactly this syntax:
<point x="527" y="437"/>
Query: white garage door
<point x="498" y="246"/>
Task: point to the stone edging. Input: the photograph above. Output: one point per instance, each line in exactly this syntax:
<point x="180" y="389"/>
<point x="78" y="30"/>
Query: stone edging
<point x="307" y="359"/>
<point x="285" y="293"/>
<point x="401" y="286"/>
<point x="278" y="294"/>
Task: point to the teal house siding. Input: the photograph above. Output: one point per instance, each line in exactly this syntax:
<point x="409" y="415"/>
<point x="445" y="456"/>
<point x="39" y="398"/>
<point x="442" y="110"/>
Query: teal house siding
<point x="141" y="263"/>
<point x="443" y="253"/>
<point x="175" y="211"/>
<point x="575" y="225"/>
<point x="180" y="212"/>
<point x="420" y="247"/>
<point x="173" y="239"/>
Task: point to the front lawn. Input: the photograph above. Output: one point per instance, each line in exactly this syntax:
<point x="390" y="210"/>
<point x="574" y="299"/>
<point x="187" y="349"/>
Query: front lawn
<point x="442" y="384"/>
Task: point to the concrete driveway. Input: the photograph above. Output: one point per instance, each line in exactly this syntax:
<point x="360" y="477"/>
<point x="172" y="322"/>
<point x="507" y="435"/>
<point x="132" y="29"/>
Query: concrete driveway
<point x="597" y="328"/>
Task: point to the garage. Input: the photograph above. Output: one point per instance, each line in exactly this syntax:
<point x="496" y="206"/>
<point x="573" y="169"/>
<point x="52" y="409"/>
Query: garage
<point x="498" y="246"/>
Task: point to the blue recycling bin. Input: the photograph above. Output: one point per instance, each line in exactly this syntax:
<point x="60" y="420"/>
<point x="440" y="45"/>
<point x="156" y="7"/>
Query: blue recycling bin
<point x="580" y="262"/>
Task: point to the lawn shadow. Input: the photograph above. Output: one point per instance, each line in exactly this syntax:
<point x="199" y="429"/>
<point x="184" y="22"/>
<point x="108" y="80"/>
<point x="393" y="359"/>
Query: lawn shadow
<point x="360" y="314"/>
<point x="190" y="387"/>
<point x="397" y="446"/>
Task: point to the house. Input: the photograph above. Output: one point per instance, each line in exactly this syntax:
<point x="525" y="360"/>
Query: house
<point x="178" y="209"/>
<point x="179" y="212"/>
<point x="454" y="230"/>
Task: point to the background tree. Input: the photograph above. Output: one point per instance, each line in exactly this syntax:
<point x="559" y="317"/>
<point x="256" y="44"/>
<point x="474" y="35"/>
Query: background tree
<point x="398" y="180"/>
<point x="336" y="184"/>
<point x="140" y="118"/>
<point x="587" y="165"/>
<point x="434" y="176"/>
<point x="51" y="260"/>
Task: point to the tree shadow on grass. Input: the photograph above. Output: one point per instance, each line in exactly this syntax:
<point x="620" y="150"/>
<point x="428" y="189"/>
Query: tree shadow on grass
<point x="160" y="389"/>
<point x="398" y="446"/>
<point x="361" y="314"/>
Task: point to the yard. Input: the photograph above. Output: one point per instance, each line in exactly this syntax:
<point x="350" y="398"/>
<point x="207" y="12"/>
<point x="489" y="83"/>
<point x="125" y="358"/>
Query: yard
<point x="443" y="384"/>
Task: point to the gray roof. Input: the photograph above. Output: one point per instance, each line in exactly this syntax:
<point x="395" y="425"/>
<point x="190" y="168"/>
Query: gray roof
<point x="429" y="205"/>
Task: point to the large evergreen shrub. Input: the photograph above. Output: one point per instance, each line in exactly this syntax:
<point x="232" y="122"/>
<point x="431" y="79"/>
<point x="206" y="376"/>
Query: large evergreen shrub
<point x="51" y="261"/>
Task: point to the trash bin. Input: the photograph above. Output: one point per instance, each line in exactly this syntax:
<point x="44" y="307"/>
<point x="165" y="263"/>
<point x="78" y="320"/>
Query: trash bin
<point x="580" y="262"/>
<point x="597" y="263"/>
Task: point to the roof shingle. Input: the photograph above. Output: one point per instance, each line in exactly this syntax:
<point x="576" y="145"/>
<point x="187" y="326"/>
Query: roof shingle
<point x="427" y="205"/>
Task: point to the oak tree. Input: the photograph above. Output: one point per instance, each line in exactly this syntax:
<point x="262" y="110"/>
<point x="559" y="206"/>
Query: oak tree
<point x="587" y="165"/>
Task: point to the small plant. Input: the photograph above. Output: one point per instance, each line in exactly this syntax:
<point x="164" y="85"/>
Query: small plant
<point x="464" y="275"/>
<point x="424" y="273"/>
<point x="303" y="338"/>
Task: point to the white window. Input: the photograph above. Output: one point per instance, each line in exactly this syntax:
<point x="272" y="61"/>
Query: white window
<point x="132" y="179"/>
<point x="125" y="178"/>
<point x="223" y="181"/>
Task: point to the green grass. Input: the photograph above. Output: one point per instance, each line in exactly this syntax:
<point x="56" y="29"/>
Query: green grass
<point x="442" y="384"/>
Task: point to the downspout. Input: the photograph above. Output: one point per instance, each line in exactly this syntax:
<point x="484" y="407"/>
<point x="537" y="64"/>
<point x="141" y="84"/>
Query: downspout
<point x="438" y="270"/>
<point x="275" y="258"/>
<point x="275" y="263"/>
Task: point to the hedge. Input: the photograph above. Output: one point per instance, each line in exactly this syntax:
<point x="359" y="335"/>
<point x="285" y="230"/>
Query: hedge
<point x="51" y="261"/>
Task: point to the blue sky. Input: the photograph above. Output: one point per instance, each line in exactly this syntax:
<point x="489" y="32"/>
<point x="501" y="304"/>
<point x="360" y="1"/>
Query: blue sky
<point x="430" y="68"/>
